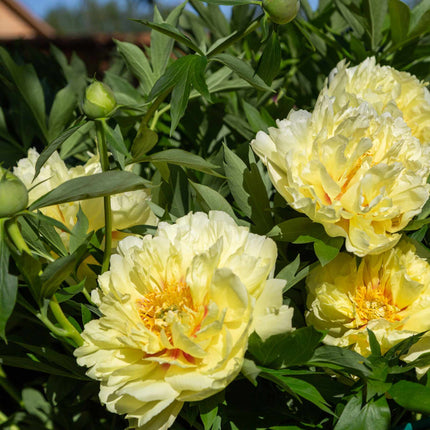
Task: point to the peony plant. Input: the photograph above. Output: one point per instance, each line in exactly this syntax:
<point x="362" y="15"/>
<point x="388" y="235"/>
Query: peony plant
<point x="229" y="230"/>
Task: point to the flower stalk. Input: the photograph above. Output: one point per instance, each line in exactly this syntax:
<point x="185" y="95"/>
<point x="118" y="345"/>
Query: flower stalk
<point x="104" y="161"/>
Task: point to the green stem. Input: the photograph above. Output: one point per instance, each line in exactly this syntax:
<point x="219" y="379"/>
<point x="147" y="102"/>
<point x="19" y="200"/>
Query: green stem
<point x="8" y="387"/>
<point x="157" y="116"/>
<point x="14" y="233"/>
<point x="68" y="327"/>
<point x="104" y="161"/>
<point x="153" y="108"/>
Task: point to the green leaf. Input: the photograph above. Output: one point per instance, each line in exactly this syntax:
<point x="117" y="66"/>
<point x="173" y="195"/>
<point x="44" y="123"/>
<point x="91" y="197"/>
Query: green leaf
<point x="352" y="17"/>
<point x="303" y="389"/>
<point x="116" y="144"/>
<point x="138" y="64"/>
<point x="374" y="415"/>
<point x="79" y="231"/>
<point x="145" y="140"/>
<point x="171" y="31"/>
<point x="298" y="230"/>
<point x="8" y="283"/>
<point x="230" y="2"/>
<point x="374" y="344"/>
<point x="335" y="357"/>
<point x="377" y="12"/>
<point x="53" y="146"/>
<point x="399" y="16"/>
<point x="61" y="112"/>
<point x="180" y="158"/>
<point x="55" y="273"/>
<point x="411" y="396"/>
<point x="270" y="61"/>
<point x="88" y="187"/>
<point x="28" y="85"/>
<point x="244" y="70"/>
<point x="212" y="200"/>
<point x="162" y="45"/>
<point x="179" y="99"/>
<point x="286" y="349"/>
<point x="254" y="118"/>
<point x="327" y="250"/>
<point x="420" y="18"/>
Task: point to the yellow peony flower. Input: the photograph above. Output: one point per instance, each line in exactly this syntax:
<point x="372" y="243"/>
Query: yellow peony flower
<point x="128" y="209"/>
<point x="387" y="293"/>
<point x="361" y="174"/>
<point x="387" y="90"/>
<point x="177" y="311"/>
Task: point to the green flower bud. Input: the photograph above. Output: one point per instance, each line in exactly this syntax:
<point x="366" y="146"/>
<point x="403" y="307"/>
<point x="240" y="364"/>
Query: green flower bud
<point x="13" y="194"/>
<point x="281" y="11"/>
<point x="99" y="100"/>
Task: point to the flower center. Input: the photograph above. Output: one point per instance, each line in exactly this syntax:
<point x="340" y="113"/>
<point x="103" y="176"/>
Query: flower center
<point x="373" y="302"/>
<point x="172" y="301"/>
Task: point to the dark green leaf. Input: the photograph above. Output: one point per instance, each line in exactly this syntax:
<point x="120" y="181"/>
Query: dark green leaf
<point x="270" y="61"/>
<point x="145" y="140"/>
<point x="377" y="12"/>
<point x="53" y="146"/>
<point x="286" y="349"/>
<point x="399" y="16"/>
<point x="244" y="70"/>
<point x="61" y="113"/>
<point x="173" y="32"/>
<point x="28" y="85"/>
<point x="88" y="187"/>
<point x="55" y="273"/>
<point x="8" y="283"/>
<point x="181" y="158"/>
<point x="79" y="231"/>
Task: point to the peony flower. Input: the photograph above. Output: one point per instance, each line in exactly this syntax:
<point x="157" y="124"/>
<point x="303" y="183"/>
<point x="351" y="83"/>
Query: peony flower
<point x="387" y="90"/>
<point x="128" y="209"/>
<point x="361" y="174"/>
<point x="177" y="311"/>
<point x="387" y="293"/>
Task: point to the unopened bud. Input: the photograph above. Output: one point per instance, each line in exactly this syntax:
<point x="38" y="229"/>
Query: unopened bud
<point x="13" y="194"/>
<point x="281" y="11"/>
<point x="99" y="100"/>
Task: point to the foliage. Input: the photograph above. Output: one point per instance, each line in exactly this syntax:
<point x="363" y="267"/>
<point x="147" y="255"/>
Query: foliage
<point x="188" y="106"/>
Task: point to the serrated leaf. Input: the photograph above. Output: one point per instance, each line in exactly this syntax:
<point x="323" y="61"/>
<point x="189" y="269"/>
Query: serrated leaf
<point x="88" y="187"/>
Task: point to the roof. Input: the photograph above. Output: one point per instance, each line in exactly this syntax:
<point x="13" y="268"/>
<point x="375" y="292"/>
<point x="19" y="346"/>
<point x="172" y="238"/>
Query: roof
<point x="16" y="21"/>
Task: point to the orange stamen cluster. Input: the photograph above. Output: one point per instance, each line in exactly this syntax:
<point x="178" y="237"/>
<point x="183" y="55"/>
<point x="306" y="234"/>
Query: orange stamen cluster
<point x="157" y="304"/>
<point x="374" y="302"/>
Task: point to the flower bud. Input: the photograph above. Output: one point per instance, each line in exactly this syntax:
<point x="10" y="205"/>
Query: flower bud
<point x="281" y="11"/>
<point x="99" y="100"/>
<point x="13" y="194"/>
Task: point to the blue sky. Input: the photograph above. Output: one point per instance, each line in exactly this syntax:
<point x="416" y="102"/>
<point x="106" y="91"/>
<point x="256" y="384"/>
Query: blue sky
<point x="41" y="7"/>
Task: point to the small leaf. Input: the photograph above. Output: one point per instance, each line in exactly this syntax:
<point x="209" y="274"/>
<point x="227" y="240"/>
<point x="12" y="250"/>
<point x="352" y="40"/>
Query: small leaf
<point x="145" y="140"/>
<point x="79" y="231"/>
<point x="55" y="273"/>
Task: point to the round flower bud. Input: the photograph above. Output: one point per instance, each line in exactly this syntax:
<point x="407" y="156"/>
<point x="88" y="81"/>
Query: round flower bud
<point x="99" y="100"/>
<point x="13" y="194"/>
<point x="281" y="11"/>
